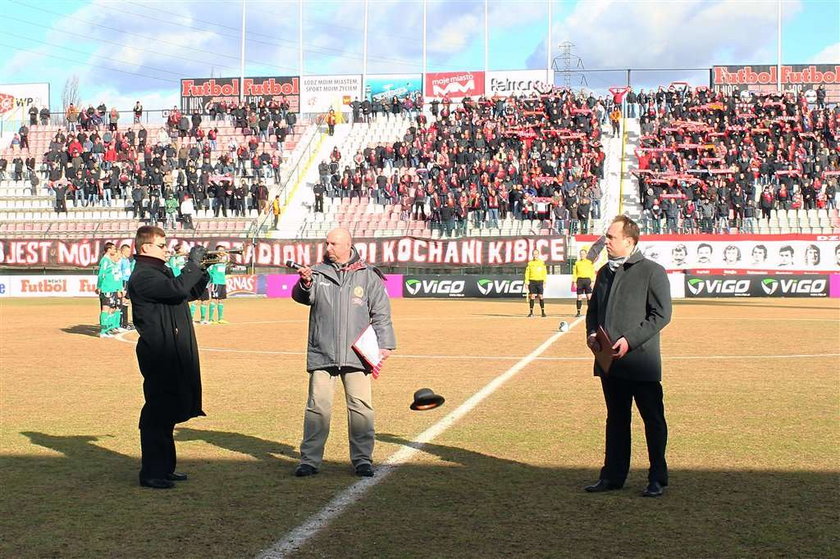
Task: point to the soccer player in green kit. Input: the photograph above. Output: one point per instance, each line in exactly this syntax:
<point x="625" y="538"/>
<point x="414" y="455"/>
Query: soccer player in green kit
<point x="109" y="287"/>
<point x="217" y="288"/>
<point x="176" y="261"/>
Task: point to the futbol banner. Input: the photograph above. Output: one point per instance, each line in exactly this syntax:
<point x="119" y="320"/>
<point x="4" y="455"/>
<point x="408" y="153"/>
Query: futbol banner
<point x="198" y="94"/>
<point x="756" y="286"/>
<point x="404" y="251"/>
<point x="319" y="94"/>
<point x="85" y="286"/>
<point x="763" y="78"/>
<point x="385" y="87"/>
<point x="455" y="85"/>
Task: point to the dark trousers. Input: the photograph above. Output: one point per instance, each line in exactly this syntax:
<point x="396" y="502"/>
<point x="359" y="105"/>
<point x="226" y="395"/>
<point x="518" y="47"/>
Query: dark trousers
<point x="619" y="395"/>
<point x="157" y="446"/>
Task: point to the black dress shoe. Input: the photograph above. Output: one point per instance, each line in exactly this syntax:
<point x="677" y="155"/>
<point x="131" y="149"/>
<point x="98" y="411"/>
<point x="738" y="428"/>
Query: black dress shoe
<point x="654" y="489"/>
<point x="157" y="483"/>
<point x="177" y="476"/>
<point x="364" y="470"/>
<point x="304" y="470"/>
<point x="601" y="485"/>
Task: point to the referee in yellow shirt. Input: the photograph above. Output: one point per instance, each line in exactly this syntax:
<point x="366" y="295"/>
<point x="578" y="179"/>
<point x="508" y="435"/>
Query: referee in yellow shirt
<point x="535" y="274"/>
<point x="583" y="275"/>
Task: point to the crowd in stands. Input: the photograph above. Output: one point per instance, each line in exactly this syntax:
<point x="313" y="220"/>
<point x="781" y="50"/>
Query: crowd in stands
<point x="531" y="157"/>
<point x="94" y="163"/>
<point x="710" y="162"/>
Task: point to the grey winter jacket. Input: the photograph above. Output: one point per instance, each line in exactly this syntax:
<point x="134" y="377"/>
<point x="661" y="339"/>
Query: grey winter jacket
<point x="634" y="303"/>
<point x="342" y="306"/>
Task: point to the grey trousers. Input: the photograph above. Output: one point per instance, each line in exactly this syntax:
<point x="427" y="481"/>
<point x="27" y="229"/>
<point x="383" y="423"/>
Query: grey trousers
<point x="316" y="420"/>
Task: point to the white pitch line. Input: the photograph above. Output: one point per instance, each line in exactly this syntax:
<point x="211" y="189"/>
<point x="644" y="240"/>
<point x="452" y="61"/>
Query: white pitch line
<point x="300" y="535"/>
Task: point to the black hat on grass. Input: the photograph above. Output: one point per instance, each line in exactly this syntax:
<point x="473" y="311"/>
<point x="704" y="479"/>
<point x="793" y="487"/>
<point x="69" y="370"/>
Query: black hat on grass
<point x="426" y="399"/>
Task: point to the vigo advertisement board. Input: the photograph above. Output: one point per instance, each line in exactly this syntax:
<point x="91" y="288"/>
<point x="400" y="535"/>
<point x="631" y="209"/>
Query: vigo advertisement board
<point x="15" y="100"/>
<point x="198" y="94"/>
<point x="756" y="286"/>
<point x="319" y="94"/>
<point x="455" y="85"/>
<point x="763" y="78"/>
<point x="385" y="87"/>
<point x="516" y="82"/>
<point x="457" y="286"/>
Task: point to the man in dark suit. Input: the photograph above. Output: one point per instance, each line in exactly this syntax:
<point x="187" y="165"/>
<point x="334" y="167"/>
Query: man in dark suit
<point x="167" y="351"/>
<point x="632" y="302"/>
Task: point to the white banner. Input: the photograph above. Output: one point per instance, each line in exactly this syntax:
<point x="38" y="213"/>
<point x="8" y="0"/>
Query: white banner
<point x="516" y="82"/>
<point x="738" y="253"/>
<point x="319" y="94"/>
<point x="15" y="100"/>
<point x="48" y="286"/>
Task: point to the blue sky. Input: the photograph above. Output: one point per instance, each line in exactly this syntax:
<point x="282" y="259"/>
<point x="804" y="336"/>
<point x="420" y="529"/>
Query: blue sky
<point x="122" y="51"/>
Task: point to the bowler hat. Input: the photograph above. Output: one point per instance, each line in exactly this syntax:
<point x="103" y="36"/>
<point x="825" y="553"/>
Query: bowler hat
<point x="426" y="399"/>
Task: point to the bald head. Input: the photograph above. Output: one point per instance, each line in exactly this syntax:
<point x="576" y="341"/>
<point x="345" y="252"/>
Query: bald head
<point x="338" y="245"/>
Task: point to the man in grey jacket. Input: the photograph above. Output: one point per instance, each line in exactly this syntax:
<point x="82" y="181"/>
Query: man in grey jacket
<point x="345" y="296"/>
<point x="632" y="302"/>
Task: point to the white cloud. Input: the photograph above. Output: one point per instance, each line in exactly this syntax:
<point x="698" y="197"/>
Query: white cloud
<point x="829" y="55"/>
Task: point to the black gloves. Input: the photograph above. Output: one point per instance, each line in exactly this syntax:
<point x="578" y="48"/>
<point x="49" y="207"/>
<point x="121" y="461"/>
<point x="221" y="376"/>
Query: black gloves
<point x="197" y="254"/>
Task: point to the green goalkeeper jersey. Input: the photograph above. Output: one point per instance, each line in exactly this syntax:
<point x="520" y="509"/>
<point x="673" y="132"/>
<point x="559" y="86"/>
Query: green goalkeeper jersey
<point x="218" y="273"/>
<point x="109" y="277"/>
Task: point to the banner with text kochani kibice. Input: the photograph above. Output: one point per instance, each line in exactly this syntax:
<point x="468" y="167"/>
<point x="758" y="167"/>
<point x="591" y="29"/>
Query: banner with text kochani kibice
<point x="402" y="251"/>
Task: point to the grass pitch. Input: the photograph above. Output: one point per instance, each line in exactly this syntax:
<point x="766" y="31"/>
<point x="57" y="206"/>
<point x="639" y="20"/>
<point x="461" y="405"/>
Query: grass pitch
<point x="751" y="392"/>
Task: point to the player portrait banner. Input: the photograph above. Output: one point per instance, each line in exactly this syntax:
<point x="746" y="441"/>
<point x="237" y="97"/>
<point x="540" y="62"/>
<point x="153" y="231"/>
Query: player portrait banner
<point x="15" y="100"/>
<point x="387" y="86"/>
<point x="198" y="94"/>
<point x="756" y="286"/>
<point x="516" y="82"/>
<point x="403" y="251"/>
<point x="319" y="94"/>
<point x="739" y="254"/>
<point x="454" y="85"/>
<point x="763" y="78"/>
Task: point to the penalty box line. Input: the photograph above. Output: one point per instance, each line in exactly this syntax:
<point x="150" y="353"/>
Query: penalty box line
<point x="348" y="497"/>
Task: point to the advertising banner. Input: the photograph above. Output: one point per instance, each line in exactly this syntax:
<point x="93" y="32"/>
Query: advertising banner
<point x="516" y="82"/>
<point x="745" y="253"/>
<point x="384" y="87"/>
<point x="763" y="78"/>
<point x="198" y="94"/>
<point x="281" y="285"/>
<point x="85" y="286"/>
<point x="15" y="100"/>
<point x="447" y="286"/>
<point x="319" y="94"/>
<point x="454" y="85"/>
<point x="756" y="286"/>
<point x="404" y="251"/>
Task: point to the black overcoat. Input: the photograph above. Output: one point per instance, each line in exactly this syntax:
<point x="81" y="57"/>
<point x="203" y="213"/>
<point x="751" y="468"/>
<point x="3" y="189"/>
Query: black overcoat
<point x="167" y="351"/>
<point x="634" y="303"/>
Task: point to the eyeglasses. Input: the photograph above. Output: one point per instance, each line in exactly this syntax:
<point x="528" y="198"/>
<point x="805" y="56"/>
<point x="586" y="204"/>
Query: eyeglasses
<point x="159" y="245"/>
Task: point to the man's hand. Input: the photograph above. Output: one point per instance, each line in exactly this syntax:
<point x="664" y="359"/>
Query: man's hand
<point x="305" y="274"/>
<point x="592" y="342"/>
<point x="197" y="254"/>
<point x="620" y="348"/>
<point x="384" y="354"/>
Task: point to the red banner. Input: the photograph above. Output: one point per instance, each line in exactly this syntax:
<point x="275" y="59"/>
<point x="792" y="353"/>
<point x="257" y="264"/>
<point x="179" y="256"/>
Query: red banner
<point x="454" y="85"/>
<point x="404" y="251"/>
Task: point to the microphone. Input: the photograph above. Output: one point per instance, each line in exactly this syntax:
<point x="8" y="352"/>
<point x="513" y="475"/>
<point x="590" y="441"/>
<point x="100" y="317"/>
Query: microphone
<point x="294" y="265"/>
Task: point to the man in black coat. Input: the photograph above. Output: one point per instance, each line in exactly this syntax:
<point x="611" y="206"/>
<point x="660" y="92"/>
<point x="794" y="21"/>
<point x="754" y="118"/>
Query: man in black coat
<point x="632" y="302"/>
<point x="166" y="351"/>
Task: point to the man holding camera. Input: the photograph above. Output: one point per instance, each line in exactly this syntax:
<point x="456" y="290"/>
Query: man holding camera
<point x="167" y="352"/>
